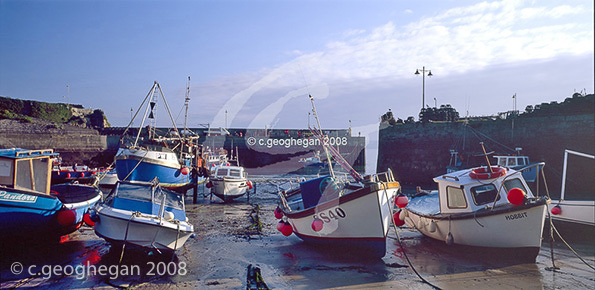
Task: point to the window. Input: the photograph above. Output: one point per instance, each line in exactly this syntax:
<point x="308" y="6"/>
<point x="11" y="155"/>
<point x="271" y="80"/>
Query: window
<point x="455" y="197"/>
<point x="514" y="183"/>
<point x="522" y="161"/>
<point x="234" y="172"/>
<point x="484" y="194"/>
<point x="512" y="162"/>
<point x="222" y="172"/>
<point x="502" y="162"/>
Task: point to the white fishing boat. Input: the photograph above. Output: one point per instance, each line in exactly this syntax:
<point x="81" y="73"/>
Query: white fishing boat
<point x="574" y="207"/>
<point x="483" y="207"/>
<point x="229" y="182"/>
<point x="145" y="215"/>
<point x="355" y="215"/>
<point x="344" y="214"/>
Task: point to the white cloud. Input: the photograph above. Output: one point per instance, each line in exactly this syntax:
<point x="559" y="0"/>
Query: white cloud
<point x="452" y="42"/>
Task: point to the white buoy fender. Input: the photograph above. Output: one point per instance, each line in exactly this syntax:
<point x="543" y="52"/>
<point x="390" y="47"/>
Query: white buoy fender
<point x="420" y="224"/>
<point x="449" y="239"/>
<point x="403" y="214"/>
<point x="432" y="227"/>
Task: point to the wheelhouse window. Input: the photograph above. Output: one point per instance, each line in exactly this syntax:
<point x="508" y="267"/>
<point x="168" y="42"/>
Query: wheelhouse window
<point x="514" y="183"/>
<point x="234" y="172"/>
<point x="222" y="172"/>
<point x="512" y="162"/>
<point x="455" y="197"/>
<point x="484" y="194"/>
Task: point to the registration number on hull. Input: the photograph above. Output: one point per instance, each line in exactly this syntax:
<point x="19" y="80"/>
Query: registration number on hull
<point x="332" y="214"/>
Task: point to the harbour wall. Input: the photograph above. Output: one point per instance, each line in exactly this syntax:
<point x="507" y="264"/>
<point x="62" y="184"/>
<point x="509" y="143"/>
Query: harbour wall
<point x="417" y="152"/>
<point x="274" y="151"/>
<point x="75" y="144"/>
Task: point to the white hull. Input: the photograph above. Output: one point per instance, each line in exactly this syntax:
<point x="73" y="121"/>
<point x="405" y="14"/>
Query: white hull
<point x="144" y="231"/>
<point x="361" y="218"/>
<point x="229" y="188"/>
<point x="512" y="229"/>
<point x="575" y="211"/>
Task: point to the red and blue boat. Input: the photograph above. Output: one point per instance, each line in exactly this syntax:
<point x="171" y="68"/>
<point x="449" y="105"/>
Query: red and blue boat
<point x="30" y="206"/>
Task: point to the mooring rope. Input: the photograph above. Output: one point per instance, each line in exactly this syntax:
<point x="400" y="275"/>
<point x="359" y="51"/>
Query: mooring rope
<point x="384" y="186"/>
<point x="134" y="214"/>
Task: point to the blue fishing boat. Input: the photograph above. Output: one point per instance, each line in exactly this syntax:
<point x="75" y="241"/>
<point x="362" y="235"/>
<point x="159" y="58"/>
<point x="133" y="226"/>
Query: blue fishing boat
<point x="169" y="157"/>
<point x="28" y="201"/>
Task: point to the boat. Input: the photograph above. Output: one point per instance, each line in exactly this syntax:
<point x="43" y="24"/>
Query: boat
<point x="574" y="207"/>
<point x="108" y="178"/>
<point x="145" y="215"/>
<point x="29" y="206"/>
<point x="229" y="182"/>
<point x="518" y="162"/>
<point x="79" y="173"/>
<point x="170" y="158"/>
<point x="487" y="207"/>
<point x="352" y="213"/>
<point x="312" y="161"/>
<point x="214" y="159"/>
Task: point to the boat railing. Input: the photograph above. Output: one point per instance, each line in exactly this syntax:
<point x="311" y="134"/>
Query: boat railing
<point x="33" y="152"/>
<point x="540" y="166"/>
<point x="386" y="176"/>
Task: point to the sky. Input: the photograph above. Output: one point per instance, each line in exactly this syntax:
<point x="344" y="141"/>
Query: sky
<point x="252" y="63"/>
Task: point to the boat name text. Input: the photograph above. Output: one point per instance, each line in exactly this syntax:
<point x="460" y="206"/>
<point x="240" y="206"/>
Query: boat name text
<point x="516" y="216"/>
<point x="17" y="197"/>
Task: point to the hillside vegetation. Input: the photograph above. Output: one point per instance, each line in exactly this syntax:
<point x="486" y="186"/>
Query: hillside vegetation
<point x="27" y="111"/>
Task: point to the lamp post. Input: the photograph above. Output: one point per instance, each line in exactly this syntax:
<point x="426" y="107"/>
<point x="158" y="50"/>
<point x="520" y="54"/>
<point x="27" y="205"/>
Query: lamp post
<point x="423" y="92"/>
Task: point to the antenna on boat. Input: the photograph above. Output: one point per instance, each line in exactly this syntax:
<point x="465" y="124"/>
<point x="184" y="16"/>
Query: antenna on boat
<point x="328" y="155"/>
<point x="486" y="156"/>
<point x="186" y="101"/>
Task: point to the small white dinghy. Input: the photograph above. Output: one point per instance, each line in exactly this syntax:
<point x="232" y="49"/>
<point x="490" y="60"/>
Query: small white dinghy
<point x="229" y="182"/>
<point x="484" y="207"/>
<point x="145" y="215"/>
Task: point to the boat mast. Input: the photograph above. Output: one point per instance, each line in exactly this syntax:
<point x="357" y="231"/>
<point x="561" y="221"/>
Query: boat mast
<point x="151" y="93"/>
<point x="328" y="155"/>
<point x="186" y="101"/>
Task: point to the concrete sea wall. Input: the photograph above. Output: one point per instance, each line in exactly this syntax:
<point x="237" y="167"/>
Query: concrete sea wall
<point x="417" y="152"/>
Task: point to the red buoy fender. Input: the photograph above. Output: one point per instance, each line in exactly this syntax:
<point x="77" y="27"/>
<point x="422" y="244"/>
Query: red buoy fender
<point x="484" y="172"/>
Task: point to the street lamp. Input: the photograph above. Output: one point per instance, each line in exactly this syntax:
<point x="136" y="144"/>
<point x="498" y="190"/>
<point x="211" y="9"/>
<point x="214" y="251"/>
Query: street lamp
<point x="423" y="92"/>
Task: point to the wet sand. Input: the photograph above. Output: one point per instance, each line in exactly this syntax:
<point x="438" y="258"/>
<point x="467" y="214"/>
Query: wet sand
<point x="227" y="241"/>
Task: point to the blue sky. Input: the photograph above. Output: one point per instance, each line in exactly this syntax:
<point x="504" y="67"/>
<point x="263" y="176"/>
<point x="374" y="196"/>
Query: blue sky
<point x="258" y="60"/>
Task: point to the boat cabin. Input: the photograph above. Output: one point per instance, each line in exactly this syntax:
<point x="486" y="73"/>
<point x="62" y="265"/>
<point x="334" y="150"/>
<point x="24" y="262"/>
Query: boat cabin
<point x="230" y="172"/>
<point x="26" y="169"/>
<point x="147" y="198"/>
<point x="512" y="161"/>
<point x="460" y="193"/>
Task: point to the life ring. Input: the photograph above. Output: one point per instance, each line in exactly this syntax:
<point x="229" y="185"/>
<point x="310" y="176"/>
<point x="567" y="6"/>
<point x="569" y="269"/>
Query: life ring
<point x="484" y="173"/>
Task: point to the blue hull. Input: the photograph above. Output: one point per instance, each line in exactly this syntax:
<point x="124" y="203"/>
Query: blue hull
<point x="27" y="214"/>
<point x="22" y="213"/>
<point x="145" y="172"/>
